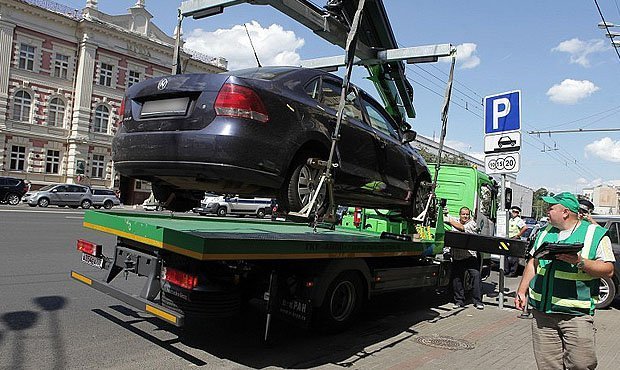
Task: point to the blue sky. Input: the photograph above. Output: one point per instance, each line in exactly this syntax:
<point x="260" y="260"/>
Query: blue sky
<point x="564" y="66"/>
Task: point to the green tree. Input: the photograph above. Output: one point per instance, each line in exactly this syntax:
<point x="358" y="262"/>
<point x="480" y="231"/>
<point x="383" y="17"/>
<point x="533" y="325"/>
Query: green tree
<point x="538" y="204"/>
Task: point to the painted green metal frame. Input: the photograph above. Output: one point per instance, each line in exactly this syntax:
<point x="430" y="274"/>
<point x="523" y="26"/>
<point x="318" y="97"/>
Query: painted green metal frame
<point x="239" y="239"/>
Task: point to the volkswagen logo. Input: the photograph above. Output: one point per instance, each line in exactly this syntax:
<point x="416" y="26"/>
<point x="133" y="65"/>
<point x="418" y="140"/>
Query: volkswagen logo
<point x="163" y="83"/>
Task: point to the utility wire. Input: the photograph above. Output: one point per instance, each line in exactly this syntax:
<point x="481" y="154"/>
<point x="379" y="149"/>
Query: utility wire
<point x="607" y="28"/>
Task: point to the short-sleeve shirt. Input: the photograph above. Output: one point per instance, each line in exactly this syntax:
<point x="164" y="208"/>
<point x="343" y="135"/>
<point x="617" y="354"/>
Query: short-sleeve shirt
<point x="461" y="254"/>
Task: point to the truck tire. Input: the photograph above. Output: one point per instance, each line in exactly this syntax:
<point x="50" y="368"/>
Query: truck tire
<point x="221" y="211"/>
<point x="607" y="293"/>
<point x="342" y="302"/>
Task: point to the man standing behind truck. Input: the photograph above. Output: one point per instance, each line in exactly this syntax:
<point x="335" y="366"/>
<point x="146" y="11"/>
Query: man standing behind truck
<point x="562" y="290"/>
<point x="465" y="261"/>
<point x="516" y="228"/>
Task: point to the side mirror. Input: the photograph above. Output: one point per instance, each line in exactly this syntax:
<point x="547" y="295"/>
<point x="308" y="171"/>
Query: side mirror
<point x="508" y="198"/>
<point x="409" y="136"/>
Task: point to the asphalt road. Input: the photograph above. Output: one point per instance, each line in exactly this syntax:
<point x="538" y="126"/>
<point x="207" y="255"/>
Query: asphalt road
<point x="47" y="320"/>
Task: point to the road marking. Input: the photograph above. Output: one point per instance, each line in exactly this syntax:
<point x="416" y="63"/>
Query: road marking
<point x="34" y="211"/>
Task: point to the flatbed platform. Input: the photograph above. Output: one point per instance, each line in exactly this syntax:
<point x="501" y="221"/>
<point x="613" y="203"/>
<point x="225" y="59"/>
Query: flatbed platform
<point x="234" y="239"/>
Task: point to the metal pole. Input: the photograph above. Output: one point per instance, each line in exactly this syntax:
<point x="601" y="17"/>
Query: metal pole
<point x="502" y="260"/>
<point x="176" y="58"/>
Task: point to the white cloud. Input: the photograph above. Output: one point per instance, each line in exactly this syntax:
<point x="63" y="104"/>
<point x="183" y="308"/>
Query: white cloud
<point x="571" y="91"/>
<point x="466" y="57"/>
<point x="274" y="45"/>
<point x="463" y="148"/>
<point x="606" y="149"/>
<point x="584" y="183"/>
<point x="579" y="50"/>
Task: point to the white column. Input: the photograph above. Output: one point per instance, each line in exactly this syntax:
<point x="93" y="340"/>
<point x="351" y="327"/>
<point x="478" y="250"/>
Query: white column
<point x="6" y="43"/>
<point x="79" y="136"/>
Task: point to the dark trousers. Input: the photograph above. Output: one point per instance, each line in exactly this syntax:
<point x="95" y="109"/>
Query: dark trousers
<point x="458" y="275"/>
<point x="512" y="265"/>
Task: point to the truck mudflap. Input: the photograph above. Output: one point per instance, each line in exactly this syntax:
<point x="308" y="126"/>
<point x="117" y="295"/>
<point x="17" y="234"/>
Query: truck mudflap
<point x="142" y="304"/>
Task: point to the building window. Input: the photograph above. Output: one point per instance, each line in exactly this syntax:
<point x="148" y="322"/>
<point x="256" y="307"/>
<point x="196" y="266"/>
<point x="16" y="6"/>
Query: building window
<point x="26" y="57"/>
<point x="134" y="78"/>
<point x="97" y="166"/>
<point x="18" y="157"/>
<point x="61" y="66"/>
<point x="105" y="74"/>
<point x="21" y="106"/>
<point x="102" y="116"/>
<point x="52" y="161"/>
<point x="56" y="113"/>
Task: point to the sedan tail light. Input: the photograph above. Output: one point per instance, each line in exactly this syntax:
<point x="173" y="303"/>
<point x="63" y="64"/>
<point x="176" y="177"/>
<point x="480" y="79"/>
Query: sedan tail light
<point x="240" y="101"/>
<point x="121" y="112"/>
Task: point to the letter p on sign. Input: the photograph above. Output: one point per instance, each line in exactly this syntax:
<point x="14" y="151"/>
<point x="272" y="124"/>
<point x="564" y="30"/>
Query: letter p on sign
<point x="502" y="112"/>
<point x="501" y="108"/>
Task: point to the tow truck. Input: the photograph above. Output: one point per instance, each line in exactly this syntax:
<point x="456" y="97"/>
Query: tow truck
<point x="197" y="269"/>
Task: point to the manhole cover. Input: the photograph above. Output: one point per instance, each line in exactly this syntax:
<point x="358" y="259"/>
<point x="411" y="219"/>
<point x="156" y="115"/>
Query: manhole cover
<point x="445" y="342"/>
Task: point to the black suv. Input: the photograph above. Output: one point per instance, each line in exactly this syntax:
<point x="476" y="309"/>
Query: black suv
<point x="12" y="190"/>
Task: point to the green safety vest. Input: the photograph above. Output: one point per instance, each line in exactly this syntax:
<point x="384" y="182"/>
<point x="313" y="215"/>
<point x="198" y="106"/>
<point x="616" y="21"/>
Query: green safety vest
<point x="560" y="287"/>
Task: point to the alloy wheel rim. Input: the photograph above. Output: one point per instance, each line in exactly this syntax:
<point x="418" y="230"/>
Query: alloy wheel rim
<point x="307" y="184"/>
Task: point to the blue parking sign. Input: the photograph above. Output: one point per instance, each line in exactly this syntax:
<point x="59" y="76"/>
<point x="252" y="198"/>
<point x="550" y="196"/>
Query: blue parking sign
<point x="502" y="112"/>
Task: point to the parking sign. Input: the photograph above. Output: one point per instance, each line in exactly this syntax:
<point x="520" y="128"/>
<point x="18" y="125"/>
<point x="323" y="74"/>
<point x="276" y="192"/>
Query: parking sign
<point x="502" y="112"/>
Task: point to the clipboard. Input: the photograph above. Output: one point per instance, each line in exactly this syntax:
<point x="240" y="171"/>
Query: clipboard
<point x="548" y="251"/>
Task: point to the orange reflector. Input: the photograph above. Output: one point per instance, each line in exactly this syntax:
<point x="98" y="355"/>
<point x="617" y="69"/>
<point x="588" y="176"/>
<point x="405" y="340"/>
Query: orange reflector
<point x="87" y="247"/>
<point x="309" y="284"/>
<point x="377" y="278"/>
<point x="180" y="278"/>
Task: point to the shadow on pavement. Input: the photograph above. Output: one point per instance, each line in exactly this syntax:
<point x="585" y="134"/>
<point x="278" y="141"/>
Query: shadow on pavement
<point x="385" y="321"/>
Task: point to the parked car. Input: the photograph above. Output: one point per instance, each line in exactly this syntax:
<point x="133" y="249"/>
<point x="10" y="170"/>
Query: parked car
<point x="251" y="132"/>
<point x="224" y="205"/>
<point x="610" y="287"/>
<point x="12" y="190"/>
<point x="71" y="195"/>
<point x="105" y="198"/>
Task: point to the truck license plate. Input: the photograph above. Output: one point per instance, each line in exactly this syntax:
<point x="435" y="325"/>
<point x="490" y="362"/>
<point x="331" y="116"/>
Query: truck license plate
<point x="92" y="260"/>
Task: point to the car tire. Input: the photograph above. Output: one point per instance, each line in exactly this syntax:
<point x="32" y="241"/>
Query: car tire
<point x="13" y="199"/>
<point x="260" y="213"/>
<point x="32" y="205"/>
<point x="86" y="204"/>
<point x="301" y="185"/>
<point x="221" y="211"/>
<point x="420" y="197"/>
<point x="607" y="293"/>
<point x="108" y="204"/>
<point x="342" y="301"/>
<point x="43" y="202"/>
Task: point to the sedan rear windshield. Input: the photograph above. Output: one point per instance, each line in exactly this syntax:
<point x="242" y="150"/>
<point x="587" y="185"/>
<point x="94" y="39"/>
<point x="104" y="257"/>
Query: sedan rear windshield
<point x="264" y="73"/>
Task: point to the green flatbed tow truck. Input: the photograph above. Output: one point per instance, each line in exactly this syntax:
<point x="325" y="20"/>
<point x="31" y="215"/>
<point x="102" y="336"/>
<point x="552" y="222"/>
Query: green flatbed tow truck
<point x="204" y="269"/>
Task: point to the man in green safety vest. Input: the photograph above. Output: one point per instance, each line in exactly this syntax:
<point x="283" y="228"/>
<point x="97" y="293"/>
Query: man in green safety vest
<point x="562" y="290"/>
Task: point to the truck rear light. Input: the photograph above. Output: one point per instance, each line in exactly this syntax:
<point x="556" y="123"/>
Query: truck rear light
<point x="180" y="278"/>
<point x="240" y="101"/>
<point x="87" y="247"/>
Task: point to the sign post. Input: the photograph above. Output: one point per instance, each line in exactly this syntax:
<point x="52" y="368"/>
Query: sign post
<point x="502" y="142"/>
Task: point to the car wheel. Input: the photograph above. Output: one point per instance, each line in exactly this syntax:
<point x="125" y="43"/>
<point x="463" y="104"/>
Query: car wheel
<point x="420" y="198"/>
<point x="12" y="199"/>
<point x="260" y="213"/>
<point x="221" y="211"/>
<point x="86" y="204"/>
<point x="607" y="293"/>
<point x="43" y="202"/>
<point x="301" y="186"/>
<point x="342" y="302"/>
<point x="108" y="204"/>
<point x="32" y="205"/>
